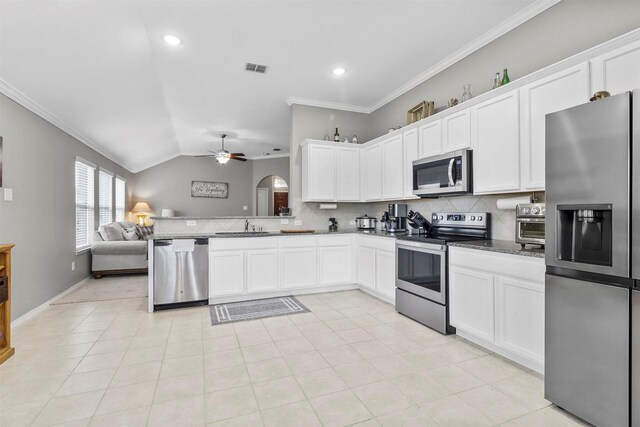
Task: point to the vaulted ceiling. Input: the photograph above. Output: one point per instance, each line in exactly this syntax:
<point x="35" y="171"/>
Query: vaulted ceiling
<point x="101" y="71"/>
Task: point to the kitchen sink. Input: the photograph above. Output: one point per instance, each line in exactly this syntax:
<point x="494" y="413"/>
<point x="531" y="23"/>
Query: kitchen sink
<point x="243" y="233"/>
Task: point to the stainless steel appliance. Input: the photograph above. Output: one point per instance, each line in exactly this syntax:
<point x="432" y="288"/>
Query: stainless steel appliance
<point x="593" y="260"/>
<point x="530" y="224"/>
<point x="421" y="265"/>
<point x="180" y="272"/>
<point x="442" y="175"/>
<point x="366" y="222"/>
<point x="397" y="218"/>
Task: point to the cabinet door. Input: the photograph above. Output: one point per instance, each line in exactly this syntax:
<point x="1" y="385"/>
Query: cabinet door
<point x="348" y="174"/>
<point x="472" y="302"/>
<point x="520" y="317"/>
<point x="386" y="273"/>
<point x="617" y="71"/>
<point x="557" y="92"/>
<point x="410" y="141"/>
<point x="320" y="173"/>
<point x="297" y="268"/>
<point x="262" y="270"/>
<point x="226" y="273"/>
<point x="456" y="131"/>
<point x="366" y="262"/>
<point x="335" y="265"/>
<point x="430" y="139"/>
<point x="496" y="149"/>
<point x="372" y="182"/>
<point x="392" y="168"/>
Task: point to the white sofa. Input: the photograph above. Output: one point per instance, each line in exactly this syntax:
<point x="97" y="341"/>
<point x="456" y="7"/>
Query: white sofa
<point x="118" y="249"/>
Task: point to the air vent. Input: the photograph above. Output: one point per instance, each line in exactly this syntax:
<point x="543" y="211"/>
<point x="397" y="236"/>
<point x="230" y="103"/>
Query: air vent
<point x="256" y="68"/>
<point x="276" y="149"/>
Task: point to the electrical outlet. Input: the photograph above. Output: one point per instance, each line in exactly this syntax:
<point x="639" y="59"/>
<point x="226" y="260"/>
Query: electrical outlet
<point x="284" y="221"/>
<point x="352" y="222"/>
<point x="8" y="194"/>
<point x="245" y="208"/>
<point x="191" y="223"/>
<point x="298" y="222"/>
<point x="73" y="266"/>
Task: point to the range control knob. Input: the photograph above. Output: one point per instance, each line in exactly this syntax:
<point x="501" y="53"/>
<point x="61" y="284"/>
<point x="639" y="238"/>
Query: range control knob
<point x="441" y="217"/>
<point x="535" y="210"/>
<point x="473" y="218"/>
<point x="525" y="210"/>
<point x="480" y="218"/>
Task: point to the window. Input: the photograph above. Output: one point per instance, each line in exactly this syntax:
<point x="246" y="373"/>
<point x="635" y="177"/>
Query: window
<point x="105" y="196"/>
<point x="121" y="199"/>
<point x="85" y="209"/>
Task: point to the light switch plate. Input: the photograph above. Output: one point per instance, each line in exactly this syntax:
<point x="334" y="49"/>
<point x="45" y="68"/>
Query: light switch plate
<point x="8" y="194"/>
<point x="73" y="266"/>
<point x="298" y="222"/>
<point x="191" y="223"/>
<point x="244" y="208"/>
<point x="284" y="221"/>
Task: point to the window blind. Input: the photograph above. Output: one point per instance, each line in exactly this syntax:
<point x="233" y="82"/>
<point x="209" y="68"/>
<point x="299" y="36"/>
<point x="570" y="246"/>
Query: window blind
<point x="85" y="209"/>
<point x="105" y="197"/>
<point x="121" y="199"/>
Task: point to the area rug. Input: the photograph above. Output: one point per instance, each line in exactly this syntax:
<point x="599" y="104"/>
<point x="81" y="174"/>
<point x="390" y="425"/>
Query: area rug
<point x="256" y="309"/>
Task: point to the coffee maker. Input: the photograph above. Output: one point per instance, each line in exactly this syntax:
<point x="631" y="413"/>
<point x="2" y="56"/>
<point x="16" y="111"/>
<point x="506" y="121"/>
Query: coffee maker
<point x="397" y="214"/>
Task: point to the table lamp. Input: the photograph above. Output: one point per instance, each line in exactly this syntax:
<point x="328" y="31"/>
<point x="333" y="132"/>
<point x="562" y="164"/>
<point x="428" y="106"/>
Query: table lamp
<point x="141" y="209"/>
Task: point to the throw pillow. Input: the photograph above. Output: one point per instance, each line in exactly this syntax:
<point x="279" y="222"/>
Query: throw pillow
<point x="113" y="232"/>
<point x="131" y="234"/>
<point x="144" y="232"/>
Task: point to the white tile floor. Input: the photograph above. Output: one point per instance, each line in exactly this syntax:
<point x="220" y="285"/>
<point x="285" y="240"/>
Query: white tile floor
<point x="351" y="361"/>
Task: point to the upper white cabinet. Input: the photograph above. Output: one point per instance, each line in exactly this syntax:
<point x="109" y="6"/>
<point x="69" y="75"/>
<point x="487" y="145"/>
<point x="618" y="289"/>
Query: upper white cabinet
<point x="330" y="172"/>
<point x="372" y="176"/>
<point x="392" y="168"/>
<point x="456" y="131"/>
<point x="410" y="139"/>
<point x="556" y="92"/>
<point x="495" y="141"/>
<point x="430" y="139"/>
<point x="617" y="71"/>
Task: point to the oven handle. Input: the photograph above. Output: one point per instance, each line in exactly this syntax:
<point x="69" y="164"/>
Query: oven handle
<point x="540" y="220"/>
<point x="433" y="249"/>
<point x="450" y="172"/>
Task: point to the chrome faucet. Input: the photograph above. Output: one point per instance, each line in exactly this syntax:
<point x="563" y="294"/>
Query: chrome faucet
<point x="246" y="225"/>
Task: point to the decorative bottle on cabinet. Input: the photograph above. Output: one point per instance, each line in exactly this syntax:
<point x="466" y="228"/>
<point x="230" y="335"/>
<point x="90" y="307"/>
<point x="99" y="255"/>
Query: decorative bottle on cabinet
<point x="326" y="134"/>
<point x="496" y="82"/>
<point x="354" y="138"/>
<point x="466" y="95"/>
<point x="505" y="77"/>
<point x="336" y="136"/>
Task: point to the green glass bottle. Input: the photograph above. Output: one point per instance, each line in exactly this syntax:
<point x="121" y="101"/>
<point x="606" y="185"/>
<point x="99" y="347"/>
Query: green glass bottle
<point x="505" y="77"/>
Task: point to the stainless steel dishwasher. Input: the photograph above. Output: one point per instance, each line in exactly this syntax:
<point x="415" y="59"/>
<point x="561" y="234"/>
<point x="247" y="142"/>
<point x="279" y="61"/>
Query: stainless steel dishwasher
<point x="180" y="272"/>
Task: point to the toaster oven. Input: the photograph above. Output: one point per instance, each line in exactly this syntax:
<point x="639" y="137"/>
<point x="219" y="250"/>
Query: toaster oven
<point x="530" y="218"/>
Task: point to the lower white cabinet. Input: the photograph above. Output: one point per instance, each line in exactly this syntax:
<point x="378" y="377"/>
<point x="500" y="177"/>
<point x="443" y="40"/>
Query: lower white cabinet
<point x="262" y="270"/>
<point x="297" y="267"/>
<point x="497" y="301"/>
<point x="386" y="273"/>
<point x="226" y="272"/>
<point x="366" y="267"/>
<point x="376" y="264"/>
<point x="335" y="260"/>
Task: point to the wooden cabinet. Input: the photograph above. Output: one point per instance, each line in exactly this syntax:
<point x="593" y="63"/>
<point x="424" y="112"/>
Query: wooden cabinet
<point x="262" y="270"/>
<point x="392" y="168"/>
<point x="335" y="260"/>
<point x="348" y="174"/>
<point x="556" y="92"/>
<point x="330" y="172"/>
<point x="226" y="273"/>
<point x="410" y="147"/>
<point x="6" y="351"/>
<point x="495" y="140"/>
<point x="497" y="301"/>
<point x="456" y="131"/>
<point x="372" y="176"/>
<point x="617" y="71"/>
<point x="430" y="139"/>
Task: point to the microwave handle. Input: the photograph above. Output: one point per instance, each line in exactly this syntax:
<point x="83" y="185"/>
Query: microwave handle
<point x="451" y="163"/>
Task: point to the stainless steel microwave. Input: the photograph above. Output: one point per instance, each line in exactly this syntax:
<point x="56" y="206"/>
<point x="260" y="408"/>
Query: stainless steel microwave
<point x="442" y="175"/>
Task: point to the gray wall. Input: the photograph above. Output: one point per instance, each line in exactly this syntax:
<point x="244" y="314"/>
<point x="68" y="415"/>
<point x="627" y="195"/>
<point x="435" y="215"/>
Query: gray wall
<point x="39" y="164"/>
<point x="563" y="30"/>
<point x="265" y="167"/>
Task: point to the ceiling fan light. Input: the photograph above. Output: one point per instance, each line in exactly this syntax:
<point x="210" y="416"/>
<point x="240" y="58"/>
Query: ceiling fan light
<point x="223" y="159"/>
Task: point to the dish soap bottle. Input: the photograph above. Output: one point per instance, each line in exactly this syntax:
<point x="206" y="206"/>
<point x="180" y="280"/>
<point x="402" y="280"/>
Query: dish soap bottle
<point x="333" y="226"/>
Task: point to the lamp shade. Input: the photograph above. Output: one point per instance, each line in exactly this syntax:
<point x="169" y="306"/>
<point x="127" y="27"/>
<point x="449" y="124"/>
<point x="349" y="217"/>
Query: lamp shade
<point x="141" y="207"/>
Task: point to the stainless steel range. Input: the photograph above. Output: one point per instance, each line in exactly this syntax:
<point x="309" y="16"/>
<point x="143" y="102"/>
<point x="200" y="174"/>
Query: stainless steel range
<point x="421" y="264"/>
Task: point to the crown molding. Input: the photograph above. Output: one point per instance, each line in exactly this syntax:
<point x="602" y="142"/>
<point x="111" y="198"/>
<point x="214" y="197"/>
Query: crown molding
<point x="28" y="103"/>
<point x="327" y="104"/>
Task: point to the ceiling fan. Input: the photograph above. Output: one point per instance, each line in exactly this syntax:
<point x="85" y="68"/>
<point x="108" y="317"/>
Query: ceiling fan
<point x="223" y="156"/>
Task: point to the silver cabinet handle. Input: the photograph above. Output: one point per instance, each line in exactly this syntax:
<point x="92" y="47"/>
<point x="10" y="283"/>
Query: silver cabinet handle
<point x="451" y="162"/>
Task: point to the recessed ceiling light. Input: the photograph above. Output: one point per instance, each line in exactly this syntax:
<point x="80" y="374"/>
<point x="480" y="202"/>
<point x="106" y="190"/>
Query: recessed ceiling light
<point x="338" y="71"/>
<point x="171" y="40"/>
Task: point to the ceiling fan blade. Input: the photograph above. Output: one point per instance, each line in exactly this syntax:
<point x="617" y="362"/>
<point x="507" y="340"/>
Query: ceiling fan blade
<point x="211" y="151"/>
<point x="238" y="158"/>
<point x="206" y="155"/>
<point x="238" y="154"/>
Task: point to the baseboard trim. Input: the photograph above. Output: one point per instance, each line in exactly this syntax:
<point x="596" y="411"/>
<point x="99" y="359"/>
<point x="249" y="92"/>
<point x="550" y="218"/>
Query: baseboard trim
<point x="28" y="315"/>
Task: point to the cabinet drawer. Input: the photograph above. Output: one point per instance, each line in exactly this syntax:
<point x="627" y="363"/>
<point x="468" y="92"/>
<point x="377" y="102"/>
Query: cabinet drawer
<point x="517" y="266"/>
<point x="334" y="241"/>
<point x="242" y="243"/>
<point x="297" y="242"/>
<point x="375" y="242"/>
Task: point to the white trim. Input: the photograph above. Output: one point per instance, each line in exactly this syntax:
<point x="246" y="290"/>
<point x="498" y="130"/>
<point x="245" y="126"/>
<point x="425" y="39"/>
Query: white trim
<point x="43" y="306"/>
<point x="86" y="163"/>
<point x="83" y="249"/>
<point x="273" y="156"/>
<point x="327" y="104"/>
<point x="34" y="107"/>
<point x="121" y="178"/>
<point x="107" y="172"/>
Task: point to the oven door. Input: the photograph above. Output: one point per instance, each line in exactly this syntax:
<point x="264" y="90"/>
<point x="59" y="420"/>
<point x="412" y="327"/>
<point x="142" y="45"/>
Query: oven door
<point x="530" y="230"/>
<point x="422" y="270"/>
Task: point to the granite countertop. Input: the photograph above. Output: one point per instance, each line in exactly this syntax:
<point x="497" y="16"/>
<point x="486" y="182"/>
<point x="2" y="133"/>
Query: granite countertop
<point x="271" y="234"/>
<point x="178" y="218"/>
<point x="502" y="246"/>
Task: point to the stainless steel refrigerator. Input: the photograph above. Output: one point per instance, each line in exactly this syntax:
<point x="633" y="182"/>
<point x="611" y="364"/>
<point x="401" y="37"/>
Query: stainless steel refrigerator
<point x="592" y="298"/>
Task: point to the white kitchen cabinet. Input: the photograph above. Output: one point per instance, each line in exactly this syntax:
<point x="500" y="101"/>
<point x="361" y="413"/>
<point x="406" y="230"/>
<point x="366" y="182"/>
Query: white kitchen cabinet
<point x="348" y="174"/>
<point x="298" y="267"/>
<point x="456" y="131"/>
<point x="366" y="259"/>
<point x="617" y="71"/>
<point x="556" y="92"/>
<point x="520" y="317"/>
<point x="430" y="139"/>
<point x="386" y="273"/>
<point x="226" y="272"/>
<point x="376" y="265"/>
<point x="471" y="297"/>
<point x="495" y="135"/>
<point x="335" y="260"/>
<point x="262" y="270"/>
<point x="372" y="177"/>
<point x="392" y="168"/>
<point x="319" y="172"/>
<point x="410" y="147"/>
